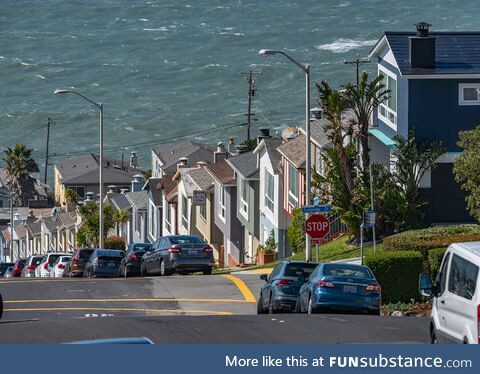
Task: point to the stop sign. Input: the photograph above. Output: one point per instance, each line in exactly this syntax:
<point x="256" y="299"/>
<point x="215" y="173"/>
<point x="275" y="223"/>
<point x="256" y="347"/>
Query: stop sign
<point x="317" y="226"/>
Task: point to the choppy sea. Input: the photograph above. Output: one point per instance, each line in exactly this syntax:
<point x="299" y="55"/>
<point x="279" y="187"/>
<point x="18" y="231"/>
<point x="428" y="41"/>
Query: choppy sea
<point x="168" y="70"/>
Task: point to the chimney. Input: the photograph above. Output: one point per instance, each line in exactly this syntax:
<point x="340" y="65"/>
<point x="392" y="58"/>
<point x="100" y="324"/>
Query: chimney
<point x="264" y="133"/>
<point x="30" y="217"/>
<point x="111" y="189"/>
<point x="231" y="147"/>
<point x="17" y="219"/>
<point x="137" y="183"/>
<point x="133" y="159"/>
<point x="421" y="52"/>
<point x="182" y="163"/>
<point x="316" y="113"/>
<point x="90" y="196"/>
<point x="220" y="154"/>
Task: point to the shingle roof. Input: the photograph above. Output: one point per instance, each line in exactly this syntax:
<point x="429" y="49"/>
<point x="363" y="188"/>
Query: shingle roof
<point x="35" y="228"/>
<point x="84" y="169"/>
<point x="245" y="164"/>
<point x="456" y="52"/>
<point x="21" y="231"/>
<point x="120" y="201"/>
<point x="67" y="219"/>
<point x="294" y="151"/>
<point x="172" y="195"/>
<point x="202" y="179"/>
<point x="50" y="223"/>
<point x="190" y="149"/>
<point x="155" y="190"/>
<point x="138" y="199"/>
<point x="222" y="172"/>
<point x="271" y="145"/>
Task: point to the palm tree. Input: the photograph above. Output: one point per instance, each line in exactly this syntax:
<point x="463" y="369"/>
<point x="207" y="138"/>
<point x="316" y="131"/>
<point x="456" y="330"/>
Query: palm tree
<point x="18" y="163"/>
<point x="71" y="199"/>
<point x="363" y="100"/>
<point x="121" y="218"/>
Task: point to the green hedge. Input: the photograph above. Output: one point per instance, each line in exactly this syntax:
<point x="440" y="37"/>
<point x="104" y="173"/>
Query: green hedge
<point x="114" y="242"/>
<point x="435" y="257"/>
<point x="397" y="273"/>
<point x="433" y="237"/>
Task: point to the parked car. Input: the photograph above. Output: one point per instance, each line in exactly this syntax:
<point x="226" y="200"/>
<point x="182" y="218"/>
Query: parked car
<point x="44" y="267"/>
<point x="455" y="316"/>
<point x="31" y="265"/>
<point x="340" y="287"/>
<point x="103" y="263"/>
<point x="8" y="273"/>
<point x="18" y="267"/>
<point x="4" y="266"/>
<point x="59" y="266"/>
<point x="131" y="261"/>
<point x="76" y="266"/>
<point x="280" y="292"/>
<point x="178" y="253"/>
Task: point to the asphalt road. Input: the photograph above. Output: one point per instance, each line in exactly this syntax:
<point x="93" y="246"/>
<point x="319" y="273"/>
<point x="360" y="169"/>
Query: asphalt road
<point x="178" y="309"/>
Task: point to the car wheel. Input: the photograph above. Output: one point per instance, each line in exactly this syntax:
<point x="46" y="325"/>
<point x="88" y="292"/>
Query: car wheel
<point x="271" y="307"/>
<point x="125" y="272"/>
<point x="260" y="308"/>
<point x="207" y="272"/>
<point x="311" y="309"/>
<point x="375" y="312"/>
<point x="433" y="337"/>
<point x="298" y="307"/>
<point x="163" y="269"/>
<point x="143" y="271"/>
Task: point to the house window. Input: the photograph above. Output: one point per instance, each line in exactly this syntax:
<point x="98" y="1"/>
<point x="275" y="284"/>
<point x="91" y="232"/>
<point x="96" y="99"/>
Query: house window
<point x="203" y="211"/>
<point x="388" y="110"/>
<point x="138" y="223"/>
<point x="244" y="197"/>
<point x="80" y="190"/>
<point x="468" y="94"/>
<point x="168" y="218"/>
<point x="184" y="211"/>
<point x="222" y="200"/>
<point x="292" y="186"/>
<point x="269" y="190"/>
<point x="151" y="218"/>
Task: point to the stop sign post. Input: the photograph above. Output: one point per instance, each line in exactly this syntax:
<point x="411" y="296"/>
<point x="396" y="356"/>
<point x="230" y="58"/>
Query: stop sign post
<point x="317" y="227"/>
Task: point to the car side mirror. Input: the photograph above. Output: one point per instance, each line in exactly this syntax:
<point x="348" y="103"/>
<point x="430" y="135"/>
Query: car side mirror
<point x="425" y="285"/>
<point x="264" y="277"/>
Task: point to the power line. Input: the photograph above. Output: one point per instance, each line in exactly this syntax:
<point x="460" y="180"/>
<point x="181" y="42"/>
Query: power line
<point x="251" y="94"/>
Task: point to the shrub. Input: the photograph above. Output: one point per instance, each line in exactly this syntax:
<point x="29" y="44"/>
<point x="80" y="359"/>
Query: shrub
<point x="115" y="242"/>
<point x="397" y="273"/>
<point x="435" y="257"/>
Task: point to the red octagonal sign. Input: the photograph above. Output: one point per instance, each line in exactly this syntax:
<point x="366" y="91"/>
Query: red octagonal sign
<point x="317" y="226"/>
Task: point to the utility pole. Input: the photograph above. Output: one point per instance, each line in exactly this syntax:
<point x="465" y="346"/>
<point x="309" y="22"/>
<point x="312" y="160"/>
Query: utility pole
<point x="251" y="93"/>
<point x="49" y="123"/>
<point x="357" y="62"/>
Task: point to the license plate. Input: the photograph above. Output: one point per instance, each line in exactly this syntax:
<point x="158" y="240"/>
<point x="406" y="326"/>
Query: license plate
<point x="192" y="252"/>
<point x="350" y="289"/>
<point x="111" y="264"/>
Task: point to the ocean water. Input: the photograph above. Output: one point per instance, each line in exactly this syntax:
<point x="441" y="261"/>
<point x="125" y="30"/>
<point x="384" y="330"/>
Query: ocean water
<point x="169" y="70"/>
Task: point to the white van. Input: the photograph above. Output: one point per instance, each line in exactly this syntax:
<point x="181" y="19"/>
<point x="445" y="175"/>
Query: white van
<point x="456" y="296"/>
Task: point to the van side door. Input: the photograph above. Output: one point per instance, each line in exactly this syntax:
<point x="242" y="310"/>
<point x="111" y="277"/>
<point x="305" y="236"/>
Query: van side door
<point x="438" y="311"/>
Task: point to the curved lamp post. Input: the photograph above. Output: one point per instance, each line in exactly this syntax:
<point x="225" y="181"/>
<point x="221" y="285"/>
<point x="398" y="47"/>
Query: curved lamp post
<point x="100" y="181"/>
<point x="306" y="69"/>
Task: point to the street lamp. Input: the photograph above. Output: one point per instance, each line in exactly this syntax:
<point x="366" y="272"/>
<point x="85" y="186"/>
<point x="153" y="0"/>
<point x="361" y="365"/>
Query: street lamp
<point x="100" y="206"/>
<point x="306" y="69"/>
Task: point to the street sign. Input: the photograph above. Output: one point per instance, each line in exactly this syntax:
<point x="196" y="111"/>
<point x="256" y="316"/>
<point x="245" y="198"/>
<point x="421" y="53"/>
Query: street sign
<point x="369" y="218"/>
<point x="317" y="208"/>
<point x="317" y="226"/>
<point x="199" y="198"/>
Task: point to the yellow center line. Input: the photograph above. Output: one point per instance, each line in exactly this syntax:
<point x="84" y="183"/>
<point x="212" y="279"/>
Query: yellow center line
<point x="120" y="300"/>
<point x="247" y="294"/>
<point x="178" y="311"/>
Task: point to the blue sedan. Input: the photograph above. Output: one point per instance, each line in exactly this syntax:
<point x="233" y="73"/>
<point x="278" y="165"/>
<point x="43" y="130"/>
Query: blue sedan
<point x="340" y="287"/>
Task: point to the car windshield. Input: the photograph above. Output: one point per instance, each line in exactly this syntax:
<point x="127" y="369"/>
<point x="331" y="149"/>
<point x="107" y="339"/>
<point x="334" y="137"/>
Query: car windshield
<point x="36" y="260"/>
<point x="347" y="271"/>
<point x="298" y="270"/>
<point x="186" y="240"/>
<point x="52" y="259"/>
<point x="142" y="248"/>
<point x="65" y="258"/>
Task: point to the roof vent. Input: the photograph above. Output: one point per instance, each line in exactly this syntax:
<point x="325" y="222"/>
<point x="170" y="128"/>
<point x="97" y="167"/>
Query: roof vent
<point x="421" y="52"/>
<point x="316" y="112"/>
<point x="422" y="29"/>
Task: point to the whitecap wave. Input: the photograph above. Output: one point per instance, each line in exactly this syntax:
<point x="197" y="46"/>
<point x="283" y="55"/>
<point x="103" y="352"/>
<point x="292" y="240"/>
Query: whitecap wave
<point x="143" y="20"/>
<point x="163" y="28"/>
<point x="40" y="76"/>
<point x="345" y="45"/>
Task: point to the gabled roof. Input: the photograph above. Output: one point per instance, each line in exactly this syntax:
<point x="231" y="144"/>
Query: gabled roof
<point x="172" y="196"/>
<point x="181" y="177"/>
<point x="245" y="164"/>
<point x="456" y="52"/>
<point x="294" y="151"/>
<point x="21" y="231"/>
<point x="190" y="149"/>
<point x="202" y="179"/>
<point x="119" y="201"/>
<point x="67" y="219"/>
<point x="222" y="172"/>
<point x="35" y="228"/>
<point x="138" y="199"/>
<point x="84" y="170"/>
<point x="270" y="145"/>
<point x="153" y="186"/>
<point x="50" y="223"/>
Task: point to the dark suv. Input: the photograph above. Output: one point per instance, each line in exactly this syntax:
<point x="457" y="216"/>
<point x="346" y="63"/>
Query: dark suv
<point x="280" y="292"/>
<point x="76" y="266"/>
<point x="4" y="266"/>
<point x="103" y="263"/>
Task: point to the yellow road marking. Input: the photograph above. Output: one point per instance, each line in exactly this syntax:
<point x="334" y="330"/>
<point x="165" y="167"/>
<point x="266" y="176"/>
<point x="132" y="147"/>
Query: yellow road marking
<point x="125" y="300"/>
<point x="120" y="309"/>
<point x="262" y="271"/>
<point x="247" y="294"/>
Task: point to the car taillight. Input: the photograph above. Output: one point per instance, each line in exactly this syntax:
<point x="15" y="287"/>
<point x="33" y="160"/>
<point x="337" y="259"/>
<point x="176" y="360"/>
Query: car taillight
<point x="375" y="287"/>
<point x="61" y="266"/>
<point x="133" y="257"/>
<point x="325" y="283"/>
<point x="208" y="249"/>
<point x="77" y="257"/>
<point x="31" y="267"/>
<point x="283" y="282"/>
<point x="45" y="266"/>
<point x="478" y="323"/>
<point x="174" y="250"/>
